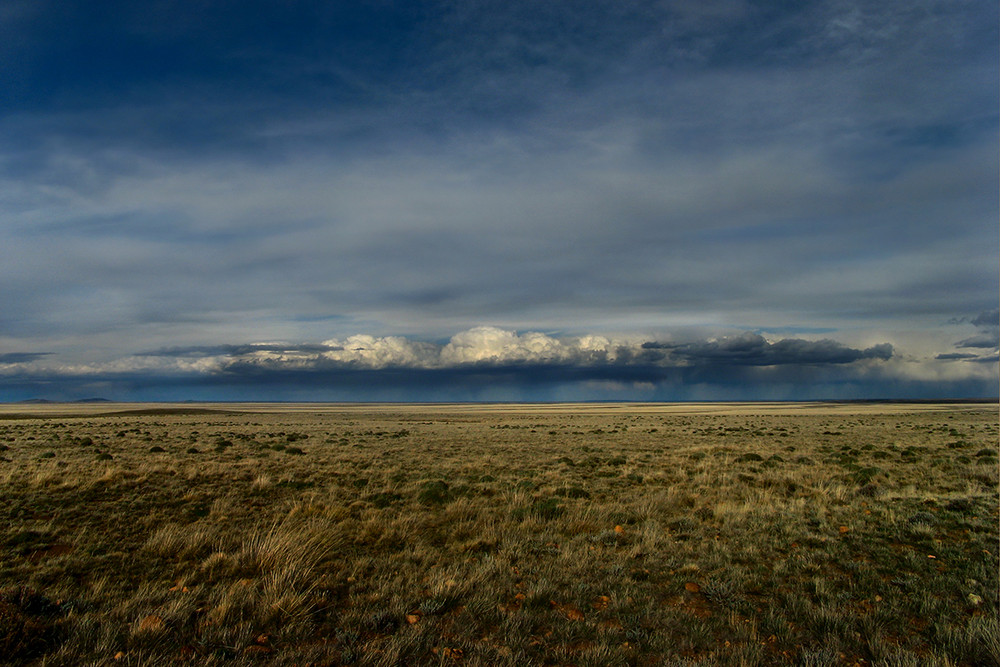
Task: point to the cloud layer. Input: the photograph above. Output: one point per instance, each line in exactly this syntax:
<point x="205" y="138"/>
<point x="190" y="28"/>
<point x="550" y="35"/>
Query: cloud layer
<point x="259" y="172"/>
<point x="492" y="347"/>
<point x="490" y="363"/>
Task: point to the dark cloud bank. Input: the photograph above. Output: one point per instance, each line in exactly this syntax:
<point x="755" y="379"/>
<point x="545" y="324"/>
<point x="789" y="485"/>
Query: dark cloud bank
<point x="21" y="357"/>
<point x="489" y="364"/>
<point x="754" y="350"/>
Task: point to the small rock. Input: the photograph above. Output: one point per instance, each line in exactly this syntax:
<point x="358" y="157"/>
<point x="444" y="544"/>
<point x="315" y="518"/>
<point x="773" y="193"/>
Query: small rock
<point x="975" y="600"/>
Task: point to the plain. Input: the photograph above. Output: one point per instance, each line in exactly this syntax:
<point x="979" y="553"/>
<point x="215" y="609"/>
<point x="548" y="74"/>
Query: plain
<point x="588" y="534"/>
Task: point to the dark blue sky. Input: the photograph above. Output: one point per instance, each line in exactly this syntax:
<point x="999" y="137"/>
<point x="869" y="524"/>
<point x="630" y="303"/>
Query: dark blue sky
<point x="510" y="200"/>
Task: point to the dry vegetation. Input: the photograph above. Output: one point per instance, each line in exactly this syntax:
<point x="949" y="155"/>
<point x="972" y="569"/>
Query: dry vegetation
<point x="504" y="535"/>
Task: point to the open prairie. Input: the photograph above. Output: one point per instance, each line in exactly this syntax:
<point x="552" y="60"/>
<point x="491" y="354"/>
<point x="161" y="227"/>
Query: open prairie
<point x="589" y="534"/>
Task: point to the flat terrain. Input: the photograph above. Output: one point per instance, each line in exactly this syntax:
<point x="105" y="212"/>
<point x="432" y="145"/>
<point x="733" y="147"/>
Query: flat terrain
<point x="589" y="534"/>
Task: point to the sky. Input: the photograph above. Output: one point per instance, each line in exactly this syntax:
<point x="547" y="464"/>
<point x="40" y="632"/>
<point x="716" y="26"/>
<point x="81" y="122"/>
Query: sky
<point x="499" y="200"/>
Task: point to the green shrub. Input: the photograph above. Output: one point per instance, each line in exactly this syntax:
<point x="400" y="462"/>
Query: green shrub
<point x="434" y="493"/>
<point x="961" y="505"/>
<point x="384" y="499"/>
<point x="547" y="509"/>
<point x="866" y="475"/>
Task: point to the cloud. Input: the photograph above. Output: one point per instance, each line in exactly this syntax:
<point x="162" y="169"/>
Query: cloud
<point x="494" y="363"/>
<point x="237" y="350"/>
<point x="491" y="345"/>
<point x="410" y="170"/>
<point x="754" y="350"/>
<point x="987" y="319"/>
<point x="478" y="347"/>
<point x="496" y="348"/>
<point x="482" y="349"/>
<point x="21" y="357"/>
<point x="988" y="325"/>
<point x="984" y="341"/>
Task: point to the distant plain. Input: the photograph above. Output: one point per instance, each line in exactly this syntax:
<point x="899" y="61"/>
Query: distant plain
<point x="499" y="534"/>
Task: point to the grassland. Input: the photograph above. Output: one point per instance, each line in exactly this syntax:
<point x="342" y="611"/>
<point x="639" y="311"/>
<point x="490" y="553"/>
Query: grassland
<point x="499" y="535"/>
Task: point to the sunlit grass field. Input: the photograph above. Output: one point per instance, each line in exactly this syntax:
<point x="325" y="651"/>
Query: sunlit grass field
<point x="811" y="534"/>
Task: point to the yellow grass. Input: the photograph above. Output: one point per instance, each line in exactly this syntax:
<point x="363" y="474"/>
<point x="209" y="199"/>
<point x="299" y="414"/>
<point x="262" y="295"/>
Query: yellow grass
<point x="574" y="534"/>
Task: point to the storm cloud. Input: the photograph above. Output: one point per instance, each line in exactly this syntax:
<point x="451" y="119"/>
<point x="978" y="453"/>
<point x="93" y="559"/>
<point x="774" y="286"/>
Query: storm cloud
<point x="490" y="363"/>
<point x="754" y="350"/>
<point x="496" y="348"/>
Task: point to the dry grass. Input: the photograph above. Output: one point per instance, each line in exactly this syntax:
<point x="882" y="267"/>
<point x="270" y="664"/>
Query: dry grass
<point x="500" y="535"/>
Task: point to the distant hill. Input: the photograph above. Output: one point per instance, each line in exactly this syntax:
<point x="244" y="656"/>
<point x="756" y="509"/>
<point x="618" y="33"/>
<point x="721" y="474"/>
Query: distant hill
<point x="45" y="401"/>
